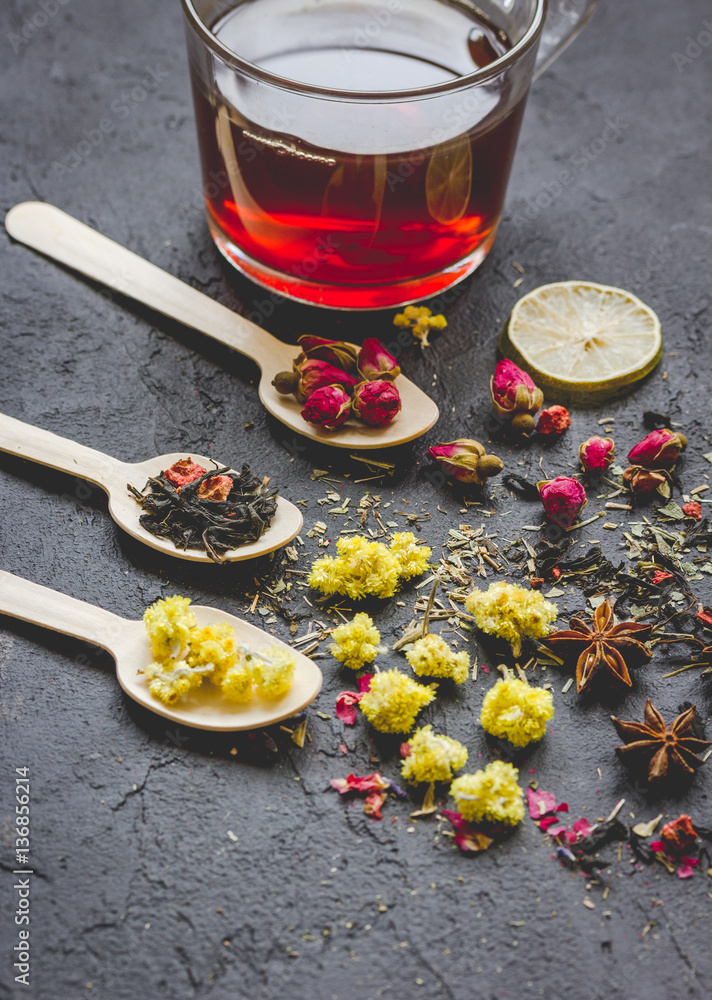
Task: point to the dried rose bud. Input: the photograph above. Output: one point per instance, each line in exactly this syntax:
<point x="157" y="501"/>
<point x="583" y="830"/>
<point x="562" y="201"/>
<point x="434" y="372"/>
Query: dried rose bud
<point x="466" y="460"/>
<point x="329" y="407"/>
<point x="641" y="480"/>
<point x="184" y="472"/>
<point x="693" y="509"/>
<point x="679" y="835"/>
<point x="375" y="362"/>
<point x="660" y="449"/>
<point x="513" y="391"/>
<point x="376" y="403"/>
<point x="216" y="488"/>
<point x="310" y="375"/>
<point x="597" y="454"/>
<point x="563" y="499"/>
<point x="334" y="351"/>
<point x="554" y="420"/>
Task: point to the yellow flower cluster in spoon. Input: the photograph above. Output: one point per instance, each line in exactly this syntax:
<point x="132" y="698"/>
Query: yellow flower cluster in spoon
<point x="186" y="654"/>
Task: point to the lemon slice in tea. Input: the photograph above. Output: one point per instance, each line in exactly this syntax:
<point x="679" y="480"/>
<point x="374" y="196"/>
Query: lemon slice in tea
<point x="448" y="180"/>
<point x="582" y="341"/>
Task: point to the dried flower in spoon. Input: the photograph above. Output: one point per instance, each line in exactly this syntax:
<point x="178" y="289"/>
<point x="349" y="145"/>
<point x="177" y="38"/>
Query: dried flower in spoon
<point x="330" y="407"/>
<point x="375" y="362"/>
<point x="377" y="403"/>
<point x="663" y="749"/>
<point x="309" y="375"/>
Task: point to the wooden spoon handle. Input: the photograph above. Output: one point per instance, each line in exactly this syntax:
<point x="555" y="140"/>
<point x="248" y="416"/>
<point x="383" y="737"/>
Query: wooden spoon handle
<point x="57" y="452"/>
<point x="65" y="239"/>
<point x="42" y="606"/>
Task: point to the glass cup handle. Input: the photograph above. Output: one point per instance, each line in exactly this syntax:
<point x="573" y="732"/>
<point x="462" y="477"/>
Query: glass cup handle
<point x="564" y="20"/>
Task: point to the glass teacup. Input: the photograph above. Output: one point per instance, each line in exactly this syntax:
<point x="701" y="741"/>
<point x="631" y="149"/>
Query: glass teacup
<point x="356" y="154"/>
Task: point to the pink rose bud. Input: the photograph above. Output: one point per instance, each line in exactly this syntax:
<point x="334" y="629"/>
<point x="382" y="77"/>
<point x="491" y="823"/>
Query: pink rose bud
<point x="315" y="374"/>
<point x="563" y="499"/>
<point x="555" y="420"/>
<point x="466" y="461"/>
<point x="376" y="403"/>
<point x="597" y="454"/>
<point x="375" y="362"/>
<point x="513" y="391"/>
<point x="336" y="352"/>
<point x="641" y="480"/>
<point x="660" y="449"/>
<point x="329" y="406"/>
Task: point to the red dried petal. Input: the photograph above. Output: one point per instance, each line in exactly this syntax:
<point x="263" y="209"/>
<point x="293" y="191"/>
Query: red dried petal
<point x="183" y="472"/>
<point x="346" y="707"/>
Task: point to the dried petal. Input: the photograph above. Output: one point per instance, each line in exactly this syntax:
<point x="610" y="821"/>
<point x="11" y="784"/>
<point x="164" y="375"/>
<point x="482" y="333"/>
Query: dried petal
<point x="553" y="420"/>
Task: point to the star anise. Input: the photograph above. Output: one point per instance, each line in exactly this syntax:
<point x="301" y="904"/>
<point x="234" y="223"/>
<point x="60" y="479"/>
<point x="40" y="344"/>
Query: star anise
<point x="604" y="645"/>
<point x="664" y="749"/>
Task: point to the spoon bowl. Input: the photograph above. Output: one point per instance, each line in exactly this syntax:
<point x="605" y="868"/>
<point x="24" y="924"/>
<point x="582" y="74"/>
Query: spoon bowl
<point x="65" y="239"/>
<point x="113" y="477"/>
<point x="127" y="641"/>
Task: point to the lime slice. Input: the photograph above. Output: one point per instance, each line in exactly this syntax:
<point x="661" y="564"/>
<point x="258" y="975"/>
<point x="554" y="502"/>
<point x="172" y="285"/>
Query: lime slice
<point x="581" y="341"/>
<point x="448" y="180"/>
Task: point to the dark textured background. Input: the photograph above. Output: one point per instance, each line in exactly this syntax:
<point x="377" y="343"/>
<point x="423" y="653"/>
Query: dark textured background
<point x="139" y="891"/>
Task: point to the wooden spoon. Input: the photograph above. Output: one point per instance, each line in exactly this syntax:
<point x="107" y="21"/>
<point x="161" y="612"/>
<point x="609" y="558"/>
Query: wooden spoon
<point x="126" y="640"/>
<point x="112" y="476"/>
<point x="65" y="239"/>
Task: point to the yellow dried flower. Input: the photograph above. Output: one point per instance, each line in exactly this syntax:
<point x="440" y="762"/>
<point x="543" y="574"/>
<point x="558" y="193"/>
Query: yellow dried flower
<point x="169" y="682"/>
<point x="492" y="794"/>
<point x="511" y="612"/>
<point x="394" y="700"/>
<point x="356" y="643"/>
<point x="432" y="657"/>
<point x="169" y="623"/>
<point x="273" y="671"/>
<point x="432" y="757"/>
<point x="421" y="321"/>
<point x="515" y="711"/>
<point x="412" y="558"/>
<point x="186" y="653"/>
<point x="214" y="646"/>
<point x="236" y="683"/>
<point x="364" y="568"/>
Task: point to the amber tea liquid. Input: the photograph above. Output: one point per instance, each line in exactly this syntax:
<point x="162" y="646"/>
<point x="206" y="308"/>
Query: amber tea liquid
<point x="345" y="220"/>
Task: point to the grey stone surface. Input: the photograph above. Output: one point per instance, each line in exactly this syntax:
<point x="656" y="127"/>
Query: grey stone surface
<point x="138" y="890"/>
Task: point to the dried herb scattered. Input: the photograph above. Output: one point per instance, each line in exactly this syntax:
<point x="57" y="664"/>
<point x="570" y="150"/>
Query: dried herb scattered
<point x="191" y="519"/>
<point x="664" y="749"/>
<point x="604" y="646"/>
